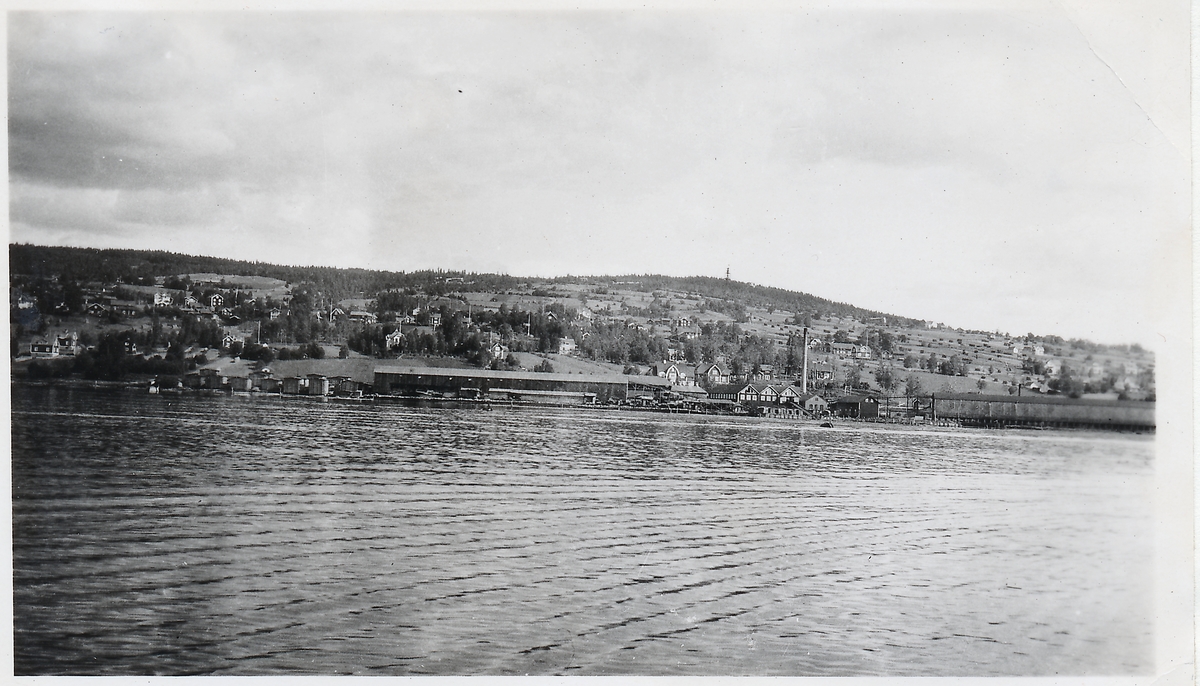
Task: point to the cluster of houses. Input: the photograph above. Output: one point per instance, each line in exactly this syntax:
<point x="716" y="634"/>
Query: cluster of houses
<point x="711" y="374"/>
<point x="63" y="345"/>
<point x="770" y="400"/>
<point x="759" y="393"/>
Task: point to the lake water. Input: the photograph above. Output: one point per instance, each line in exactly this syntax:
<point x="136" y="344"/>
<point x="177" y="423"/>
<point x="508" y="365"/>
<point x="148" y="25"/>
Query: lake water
<point x="231" y="535"/>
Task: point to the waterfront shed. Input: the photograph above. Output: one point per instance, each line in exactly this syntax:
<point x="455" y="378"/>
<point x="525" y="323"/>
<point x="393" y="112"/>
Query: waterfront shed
<point x="318" y="384"/>
<point x="857" y="407"/>
<point x="729" y="392"/>
<point x="815" y="404"/>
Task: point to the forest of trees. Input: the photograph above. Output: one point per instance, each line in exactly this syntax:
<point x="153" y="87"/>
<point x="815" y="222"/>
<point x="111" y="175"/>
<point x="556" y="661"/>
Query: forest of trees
<point x="141" y="266"/>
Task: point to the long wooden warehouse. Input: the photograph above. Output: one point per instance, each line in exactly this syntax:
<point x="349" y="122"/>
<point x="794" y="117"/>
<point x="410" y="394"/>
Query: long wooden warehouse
<point x="1052" y="411"/>
<point x="528" y="386"/>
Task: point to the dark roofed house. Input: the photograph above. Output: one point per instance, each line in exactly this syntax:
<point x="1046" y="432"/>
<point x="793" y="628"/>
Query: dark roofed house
<point x="43" y="349"/>
<point x="821" y="372"/>
<point x="856" y="407"/>
<point x="711" y="374"/>
<point x="843" y="350"/>
<point x="126" y="308"/>
<point x="726" y="391"/>
<point x="789" y="394"/>
<point x="769" y="393"/>
<point x="750" y="393"/>
<point x="766" y="372"/>
<point x="318" y="384"/>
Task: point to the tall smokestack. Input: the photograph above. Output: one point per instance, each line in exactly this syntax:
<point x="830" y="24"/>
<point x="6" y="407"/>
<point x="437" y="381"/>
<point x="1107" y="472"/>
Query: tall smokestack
<point x="804" y="365"/>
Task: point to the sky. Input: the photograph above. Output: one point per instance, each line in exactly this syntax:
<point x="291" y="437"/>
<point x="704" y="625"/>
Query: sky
<point x="1020" y="167"/>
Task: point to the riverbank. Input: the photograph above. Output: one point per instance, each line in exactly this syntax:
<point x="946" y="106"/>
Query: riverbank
<point x="139" y="387"/>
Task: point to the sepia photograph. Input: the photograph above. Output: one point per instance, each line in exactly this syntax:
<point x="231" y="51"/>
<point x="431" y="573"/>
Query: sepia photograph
<point x="602" y="340"/>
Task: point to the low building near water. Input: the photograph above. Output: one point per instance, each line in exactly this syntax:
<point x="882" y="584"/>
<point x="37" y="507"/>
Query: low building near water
<point x="318" y="384"/>
<point x="528" y="386"/>
<point x="856" y="407"/>
<point x="815" y="404"/>
<point x="240" y="384"/>
<point x="1048" y="410"/>
<point x="729" y="392"/>
<point x="779" y="411"/>
<point x="211" y="378"/>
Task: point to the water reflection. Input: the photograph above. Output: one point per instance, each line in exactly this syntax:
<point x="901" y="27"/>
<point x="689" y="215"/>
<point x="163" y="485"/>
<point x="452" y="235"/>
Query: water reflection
<point x="225" y="536"/>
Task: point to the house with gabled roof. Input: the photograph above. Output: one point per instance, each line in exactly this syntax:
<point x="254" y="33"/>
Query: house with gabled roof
<point x="711" y="374"/>
<point x="675" y="373"/>
<point x="790" y="394"/>
<point x="814" y="403"/>
<point x="43" y="349"/>
<point x="820" y="371"/>
<point x="843" y="350"/>
<point x="498" y="351"/>
<point x="766" y="372"/>
<point x="856" y="407"/>
<point x="751" y="393"/>
<point x="67" y="343"/>
<point x="394" y="339"/>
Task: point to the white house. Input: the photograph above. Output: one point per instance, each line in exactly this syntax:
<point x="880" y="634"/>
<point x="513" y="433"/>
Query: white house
<point x="394" y="339"/>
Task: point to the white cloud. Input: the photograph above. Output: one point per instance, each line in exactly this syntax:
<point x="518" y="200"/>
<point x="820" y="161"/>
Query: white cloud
<point x="985" y="167"/>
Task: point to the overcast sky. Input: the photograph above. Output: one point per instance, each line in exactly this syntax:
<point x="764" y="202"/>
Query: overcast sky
<point x="1013" y="167"/>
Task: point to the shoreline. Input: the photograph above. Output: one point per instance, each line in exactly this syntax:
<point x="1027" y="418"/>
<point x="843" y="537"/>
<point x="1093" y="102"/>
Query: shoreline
<point x="487" y="404"/>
